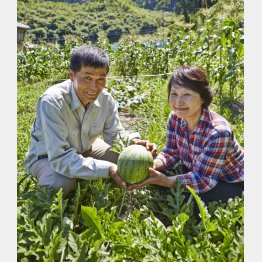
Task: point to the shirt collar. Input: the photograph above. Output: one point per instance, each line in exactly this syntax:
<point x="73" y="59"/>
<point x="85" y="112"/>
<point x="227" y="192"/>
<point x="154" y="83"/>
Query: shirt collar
<point x="76" y="102"/>
<point x="183" y="122"/>
<point x="96" y="102"/>
<point x="203" y="120"/>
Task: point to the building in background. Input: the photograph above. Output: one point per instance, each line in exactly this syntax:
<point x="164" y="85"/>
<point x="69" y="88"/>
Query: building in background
<point x="21" y="31"/>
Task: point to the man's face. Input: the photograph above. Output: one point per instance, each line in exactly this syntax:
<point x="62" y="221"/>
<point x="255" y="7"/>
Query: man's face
<point x="88" y="83"/>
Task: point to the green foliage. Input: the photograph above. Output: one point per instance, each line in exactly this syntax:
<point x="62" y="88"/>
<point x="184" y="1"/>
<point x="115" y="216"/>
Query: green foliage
<point x="174" y="5"/>
<point x="100" y="221"/>
<point x="86" y="20"/>
<point x="219" y="50"/>
<point x="127" y="92"/>
<point x="42" y="62"/>
<point x="138" y="234"/>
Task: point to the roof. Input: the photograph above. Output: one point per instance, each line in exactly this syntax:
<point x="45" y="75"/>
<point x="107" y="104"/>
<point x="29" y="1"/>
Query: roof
<point x="23" y="26"/>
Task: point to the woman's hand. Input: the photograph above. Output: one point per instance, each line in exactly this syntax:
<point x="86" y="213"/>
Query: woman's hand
<point x="114" y="175"/>
<point x="147" y="144"/>
<point x="156" y="178"/>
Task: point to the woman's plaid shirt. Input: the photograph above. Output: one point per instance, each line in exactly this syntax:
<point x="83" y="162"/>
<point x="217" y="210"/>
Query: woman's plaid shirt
<point x="210" y="151"/>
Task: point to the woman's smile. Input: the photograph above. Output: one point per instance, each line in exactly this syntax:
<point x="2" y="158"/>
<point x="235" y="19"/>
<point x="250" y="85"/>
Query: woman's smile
<point x="186" y="103"/>
<point x="180" y="109"/>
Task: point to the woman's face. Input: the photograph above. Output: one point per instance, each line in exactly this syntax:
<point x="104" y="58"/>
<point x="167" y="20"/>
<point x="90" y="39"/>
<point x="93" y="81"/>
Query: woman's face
<point x="186" y="103"/>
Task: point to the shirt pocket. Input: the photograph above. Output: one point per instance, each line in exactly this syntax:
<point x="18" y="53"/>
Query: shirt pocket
<point x="74" y="139"/>
<point x="95" y="131"/>
<point x="195" y="154"/>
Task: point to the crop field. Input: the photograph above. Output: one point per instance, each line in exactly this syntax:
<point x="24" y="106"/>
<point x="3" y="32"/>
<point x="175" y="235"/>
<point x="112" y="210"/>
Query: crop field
<point x="101" y="222"/>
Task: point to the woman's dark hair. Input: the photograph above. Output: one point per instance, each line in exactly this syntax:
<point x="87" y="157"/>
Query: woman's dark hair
<point x="88" y="56"/>
<point x="194" y="78"/>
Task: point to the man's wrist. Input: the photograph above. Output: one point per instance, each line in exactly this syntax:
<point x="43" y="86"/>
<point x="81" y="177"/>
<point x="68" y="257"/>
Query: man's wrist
<point x="112" y="169"/>
<point x="134" y="140"/>
<point x="159" y="164"/>
<point x="172" y="181"/>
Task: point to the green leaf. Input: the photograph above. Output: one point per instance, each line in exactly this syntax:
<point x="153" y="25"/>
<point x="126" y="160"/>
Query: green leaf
<point x="92" y="219"/>
<point x="73" y="243"/>
<point x="59" y="205"/>
<point x="79" y="247"/>
<point x="205" y="216"/>
<point x="75" y="205"/>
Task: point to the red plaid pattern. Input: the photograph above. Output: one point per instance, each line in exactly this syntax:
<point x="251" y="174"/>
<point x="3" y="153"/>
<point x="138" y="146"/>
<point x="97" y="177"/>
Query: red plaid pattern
<point x="210" y="151"/>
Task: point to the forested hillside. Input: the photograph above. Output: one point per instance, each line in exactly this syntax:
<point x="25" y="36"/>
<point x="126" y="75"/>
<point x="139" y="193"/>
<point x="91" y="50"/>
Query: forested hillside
<point x="175" y="5"/>
<point x="164" y="5"/>
<point x="52" y="21"/>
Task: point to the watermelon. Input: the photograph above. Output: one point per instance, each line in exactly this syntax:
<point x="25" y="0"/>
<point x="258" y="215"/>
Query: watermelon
<point x="133" y="164"/>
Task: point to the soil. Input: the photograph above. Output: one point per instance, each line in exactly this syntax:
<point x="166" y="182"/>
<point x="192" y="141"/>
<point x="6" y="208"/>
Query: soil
<point x="128" y="120"/>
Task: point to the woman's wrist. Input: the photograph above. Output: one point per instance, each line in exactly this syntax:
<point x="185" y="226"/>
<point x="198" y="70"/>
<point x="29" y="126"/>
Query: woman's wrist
<point x="159" y="164"/>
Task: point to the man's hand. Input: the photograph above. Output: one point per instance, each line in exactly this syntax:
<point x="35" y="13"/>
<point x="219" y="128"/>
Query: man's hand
<point x="114" y="175"/>
<point x="155" y="177"/>
<point x="147" y="144"/>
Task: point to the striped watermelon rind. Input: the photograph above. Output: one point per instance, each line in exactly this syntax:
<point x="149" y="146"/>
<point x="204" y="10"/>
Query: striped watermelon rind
<point x="133" y="164"/>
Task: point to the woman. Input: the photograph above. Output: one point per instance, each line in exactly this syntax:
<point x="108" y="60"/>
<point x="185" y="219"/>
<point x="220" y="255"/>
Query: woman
<point x="201" y="139"/>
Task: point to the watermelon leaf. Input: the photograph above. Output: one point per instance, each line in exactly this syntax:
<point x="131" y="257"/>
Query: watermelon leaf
<point x="92" y="219"/>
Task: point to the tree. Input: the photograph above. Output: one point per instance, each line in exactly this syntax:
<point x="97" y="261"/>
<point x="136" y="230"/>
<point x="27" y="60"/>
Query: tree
<point x="187" y="7"/>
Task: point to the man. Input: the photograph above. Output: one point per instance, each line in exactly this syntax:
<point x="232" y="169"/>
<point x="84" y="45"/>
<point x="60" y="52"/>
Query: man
<point x="70" y="119"/>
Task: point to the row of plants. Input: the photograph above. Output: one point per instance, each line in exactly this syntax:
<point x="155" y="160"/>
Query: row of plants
<point x="100" y="221"/>
<point x="220" y="52"/>
<point x="91" y="226"/>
